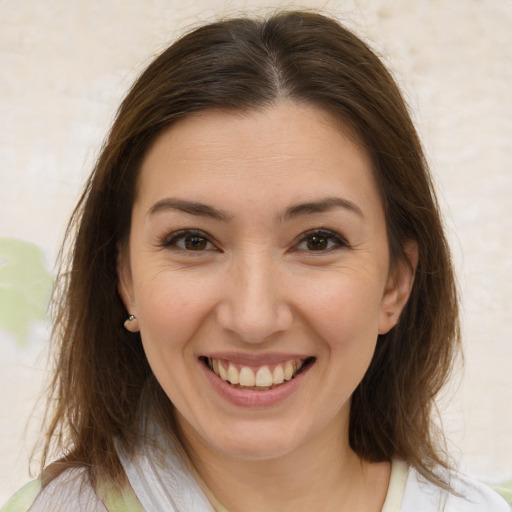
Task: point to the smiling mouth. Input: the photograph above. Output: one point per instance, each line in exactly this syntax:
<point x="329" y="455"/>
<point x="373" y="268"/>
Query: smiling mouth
<point x="260" y="378"/>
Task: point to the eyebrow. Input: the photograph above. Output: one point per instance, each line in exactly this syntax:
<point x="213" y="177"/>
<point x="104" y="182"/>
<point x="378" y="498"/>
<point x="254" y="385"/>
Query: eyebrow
<point x="190" y="207"/>
<point x="321" y="206"/>
<point x="204" y="210"/>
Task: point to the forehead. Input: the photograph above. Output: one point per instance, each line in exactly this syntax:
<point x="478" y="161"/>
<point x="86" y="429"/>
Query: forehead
<point x="292" y="151"/>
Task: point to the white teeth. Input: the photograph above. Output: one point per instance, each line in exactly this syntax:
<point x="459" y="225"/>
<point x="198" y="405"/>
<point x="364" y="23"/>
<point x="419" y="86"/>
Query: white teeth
<point x="288" y="370"/>
<point x="233" y="375"/>
<point x="247" y="377"/>
<point x="222" y="373"/>
<point x="264" y="377"/>
<point x="278" y="375"/>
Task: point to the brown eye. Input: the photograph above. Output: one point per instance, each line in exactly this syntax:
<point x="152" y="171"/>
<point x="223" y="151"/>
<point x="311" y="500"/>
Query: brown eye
<point x="321" y="241"/>
<point x="195" y="243"/>
<point x="317" y="243"/>
<point x="189" y="240"/>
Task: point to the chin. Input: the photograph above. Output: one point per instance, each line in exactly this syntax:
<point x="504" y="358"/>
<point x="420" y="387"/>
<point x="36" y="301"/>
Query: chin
<point x="256" y="443"/>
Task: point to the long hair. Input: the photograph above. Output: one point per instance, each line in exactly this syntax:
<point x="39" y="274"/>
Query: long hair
<point x="242" y="65"/>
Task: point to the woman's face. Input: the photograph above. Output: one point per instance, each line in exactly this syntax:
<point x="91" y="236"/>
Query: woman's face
<point x="258" y="270"/>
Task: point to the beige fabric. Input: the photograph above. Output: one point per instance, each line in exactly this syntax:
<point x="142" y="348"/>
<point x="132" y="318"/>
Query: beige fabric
<point x="396" y="489"/>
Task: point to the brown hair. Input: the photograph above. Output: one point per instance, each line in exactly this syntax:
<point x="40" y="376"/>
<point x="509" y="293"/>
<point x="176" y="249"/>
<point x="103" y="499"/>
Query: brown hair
<point x="240" y="65"/>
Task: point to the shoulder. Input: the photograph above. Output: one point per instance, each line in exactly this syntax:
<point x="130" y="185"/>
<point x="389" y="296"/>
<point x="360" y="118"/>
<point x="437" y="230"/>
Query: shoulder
<point x="469" y="496"/>
<point x="70" y="490"/>
<point x="23" y="499"/>
<point x="476" y="496"/>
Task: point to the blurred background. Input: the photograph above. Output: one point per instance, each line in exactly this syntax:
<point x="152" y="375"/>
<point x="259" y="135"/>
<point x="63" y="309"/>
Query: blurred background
<point x="67" y="65"/>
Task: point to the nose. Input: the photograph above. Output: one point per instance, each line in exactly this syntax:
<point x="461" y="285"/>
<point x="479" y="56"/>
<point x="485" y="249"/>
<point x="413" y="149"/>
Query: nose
<point x="254" y="305"/>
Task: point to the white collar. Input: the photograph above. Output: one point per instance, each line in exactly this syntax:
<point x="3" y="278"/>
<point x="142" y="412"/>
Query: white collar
<point x="160" y="476"/>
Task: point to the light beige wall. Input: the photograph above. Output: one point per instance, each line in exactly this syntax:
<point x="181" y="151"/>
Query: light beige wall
<point x="66" y="65"/>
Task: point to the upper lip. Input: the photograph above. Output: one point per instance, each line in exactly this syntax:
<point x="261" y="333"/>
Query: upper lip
<point x="246" y="359"/>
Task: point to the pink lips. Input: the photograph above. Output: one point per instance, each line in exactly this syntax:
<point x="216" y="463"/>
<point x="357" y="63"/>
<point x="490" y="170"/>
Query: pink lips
<point x="254" y="398"/>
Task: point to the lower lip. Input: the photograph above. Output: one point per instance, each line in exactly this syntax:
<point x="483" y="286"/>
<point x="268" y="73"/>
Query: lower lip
<point x="251" y="398"/>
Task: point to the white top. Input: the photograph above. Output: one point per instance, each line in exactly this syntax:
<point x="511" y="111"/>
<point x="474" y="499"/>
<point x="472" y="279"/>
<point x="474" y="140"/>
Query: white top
<point x="409" y="492"/>
<point x="178" y="491"/>
<point x="162" y="479"/>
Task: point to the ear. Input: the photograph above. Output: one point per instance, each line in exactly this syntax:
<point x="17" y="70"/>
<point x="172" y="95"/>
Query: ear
<point x="125" y="286"/>
<point x="398" y="287"/>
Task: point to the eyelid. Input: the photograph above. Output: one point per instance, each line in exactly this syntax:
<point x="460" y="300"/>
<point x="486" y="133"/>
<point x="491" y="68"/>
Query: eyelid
<point x="340" y="240"/>
<point x="170" y="240"/>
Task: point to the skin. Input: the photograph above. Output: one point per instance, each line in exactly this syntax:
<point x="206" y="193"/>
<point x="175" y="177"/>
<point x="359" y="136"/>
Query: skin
<point x="250" y="282"/>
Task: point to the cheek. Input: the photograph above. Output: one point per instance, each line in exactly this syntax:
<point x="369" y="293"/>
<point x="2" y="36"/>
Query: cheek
<point x="346" y="320"/>
<point x="344" y="308"/>
<point x="344" y="314"/>
<point x="172" y="309"/>
<point x="171" y="313"/>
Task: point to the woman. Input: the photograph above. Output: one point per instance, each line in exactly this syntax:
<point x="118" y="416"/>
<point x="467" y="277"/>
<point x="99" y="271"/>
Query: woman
<point x="259" y="307"/>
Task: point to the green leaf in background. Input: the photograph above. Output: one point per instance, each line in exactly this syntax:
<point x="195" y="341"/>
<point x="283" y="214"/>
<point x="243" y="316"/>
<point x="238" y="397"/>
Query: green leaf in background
<point x="506" y="491"/>
<point x="25" y="285"/>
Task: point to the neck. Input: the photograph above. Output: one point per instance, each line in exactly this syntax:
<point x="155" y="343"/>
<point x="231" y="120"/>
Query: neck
<point x="321" y="474"/>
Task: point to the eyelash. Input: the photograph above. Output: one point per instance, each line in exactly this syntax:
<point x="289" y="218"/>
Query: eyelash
<point x="333" y="240"/>
<point x="336" y="240"/>
<point x="171" y="241"/>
